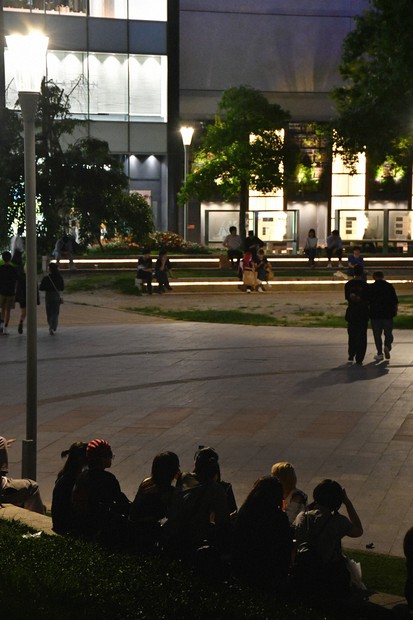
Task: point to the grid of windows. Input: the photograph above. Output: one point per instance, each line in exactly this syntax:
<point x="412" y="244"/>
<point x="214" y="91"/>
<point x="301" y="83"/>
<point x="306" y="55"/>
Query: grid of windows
<point x="148" y="10"/>
<point x="116" y="86"/>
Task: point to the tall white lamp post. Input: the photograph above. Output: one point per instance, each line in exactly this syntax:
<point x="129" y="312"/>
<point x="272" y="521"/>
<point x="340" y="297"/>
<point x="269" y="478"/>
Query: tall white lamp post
<point x="186" y="133"/>
<point x="28" y="55"/>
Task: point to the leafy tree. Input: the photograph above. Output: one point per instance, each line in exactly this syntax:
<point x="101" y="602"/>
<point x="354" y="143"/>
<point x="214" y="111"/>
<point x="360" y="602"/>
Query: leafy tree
<point x="375" y="104"/>
<point x="132" y="217"/>
<point x="11" y="174"/>
<point x="242" y="150"/>
<point x="52" y="122"/>
<point x="97" y="181"/>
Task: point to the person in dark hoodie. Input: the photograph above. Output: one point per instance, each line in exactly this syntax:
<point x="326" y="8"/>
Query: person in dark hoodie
<point x="383" y="308"/>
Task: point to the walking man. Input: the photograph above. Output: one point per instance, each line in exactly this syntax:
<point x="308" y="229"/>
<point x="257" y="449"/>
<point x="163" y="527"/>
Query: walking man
<point x="383" y="307"/>
<point x="357" y="292"/>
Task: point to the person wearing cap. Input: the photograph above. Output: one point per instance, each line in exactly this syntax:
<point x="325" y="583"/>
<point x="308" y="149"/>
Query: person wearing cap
<point x="19" y="492"/>
<point x="98" y="503"/>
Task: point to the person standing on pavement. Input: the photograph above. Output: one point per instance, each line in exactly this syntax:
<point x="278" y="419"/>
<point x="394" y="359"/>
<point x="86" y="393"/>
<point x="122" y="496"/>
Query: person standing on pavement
<point x="383" y="307"/>
<point x="357" y="294"/>
<point x="8" y="282"/>
<point x="52" y="284"/>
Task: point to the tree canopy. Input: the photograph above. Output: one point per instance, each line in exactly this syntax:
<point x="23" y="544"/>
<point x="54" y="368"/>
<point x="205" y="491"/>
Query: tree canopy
<point x="241" y="150"/>
<point x="375" y="103"/>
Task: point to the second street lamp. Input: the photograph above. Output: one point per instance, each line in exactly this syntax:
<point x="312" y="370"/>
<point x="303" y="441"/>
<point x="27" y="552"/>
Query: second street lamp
<point x="28" y="55"/>
<point x="186" y="133"/>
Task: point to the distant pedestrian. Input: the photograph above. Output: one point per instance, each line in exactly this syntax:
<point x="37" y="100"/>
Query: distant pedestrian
<point x="357" y="293"/>
<point x="263" y="270"/>
<point x="53" y="284"/>
<point x="253" y="243"/>
<point x="355" y="259"/>
<point x="163" y="271"/>
<point x="17" y="247"/>
<point x="249" y="275"/>
<point x="65" y="248"/>
<point x="334" y="248"/>
<point x="233" y="243"/>
<point x="145" y="271"/>
<point x="310" y="247"/>
<point x="383" y="308"/>
<point x="8" y="282"/>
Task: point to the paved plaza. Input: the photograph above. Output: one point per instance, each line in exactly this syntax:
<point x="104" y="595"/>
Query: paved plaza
<point x="256" y="394"/>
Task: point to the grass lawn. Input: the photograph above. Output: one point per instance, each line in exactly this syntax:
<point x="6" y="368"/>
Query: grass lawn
<point x="56" y="578"/>
<point x="124" y="283"/>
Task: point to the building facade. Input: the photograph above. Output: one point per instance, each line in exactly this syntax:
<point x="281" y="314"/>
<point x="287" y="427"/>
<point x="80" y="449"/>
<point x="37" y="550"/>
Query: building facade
<point x="136" y="69"/>
<point x="118" y="62"/>
<point x="290" y="50"/>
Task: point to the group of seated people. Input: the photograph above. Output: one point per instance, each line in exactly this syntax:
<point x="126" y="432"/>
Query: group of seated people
<point x="276" y="541"/>
<point x="273" y="541"/>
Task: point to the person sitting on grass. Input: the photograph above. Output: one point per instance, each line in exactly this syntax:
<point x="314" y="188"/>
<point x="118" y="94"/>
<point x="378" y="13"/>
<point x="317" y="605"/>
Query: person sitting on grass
<point x="152" y="499"/>
<point x="19" y="492"/>
<point x="295" y="501"/>
<point x="262" y="539"/>
<point x="100" y="509"/>
<point x="320" y="569"/>
<point x="62" y="493"/>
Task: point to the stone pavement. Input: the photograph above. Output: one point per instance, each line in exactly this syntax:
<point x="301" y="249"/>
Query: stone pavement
<point x="256" y="394"/>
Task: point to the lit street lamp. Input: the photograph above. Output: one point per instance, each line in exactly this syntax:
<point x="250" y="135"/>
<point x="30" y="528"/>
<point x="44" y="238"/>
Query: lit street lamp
<point x="28" y="55"/>
<point x="186" y="133"/>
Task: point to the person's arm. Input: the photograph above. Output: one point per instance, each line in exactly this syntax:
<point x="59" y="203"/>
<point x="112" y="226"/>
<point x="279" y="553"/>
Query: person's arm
<point x="357" y="529"/>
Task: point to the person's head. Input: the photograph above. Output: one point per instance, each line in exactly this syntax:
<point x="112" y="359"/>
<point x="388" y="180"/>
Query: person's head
<point x="335" y="233"/>
<point x="4" y="457"/>
<point x="311" y="232"/>
<point x="165" y="467"/>
<point x="99" y="454"/>
<point x="163" y="252"/>
<point x="356" y="250"/>
<point x="329" y="493"/>
<point x="207" y="470"/>
<point x="146" y="252"/>
<point x="53" y="268"/>
<point x="20" y="229"/>
<point x="261" y="253"/>
<point x="285" y="473"/>
<point x="232" y="230"/>
<point x="250" y="233"/>
<point x="358" y="271"/>
<point x="378" y="275"/>
<point x="6" y="256"/>
<point x="75" y="459"/>
<point x="266" y="495"/>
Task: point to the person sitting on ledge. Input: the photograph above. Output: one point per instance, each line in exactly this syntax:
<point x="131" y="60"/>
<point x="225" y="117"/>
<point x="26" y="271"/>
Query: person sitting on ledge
<point x="19" y="492"/>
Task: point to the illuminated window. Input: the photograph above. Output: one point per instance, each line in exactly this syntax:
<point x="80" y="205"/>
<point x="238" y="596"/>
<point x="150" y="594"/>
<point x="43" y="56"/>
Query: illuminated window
<point x="116" y="86"/>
